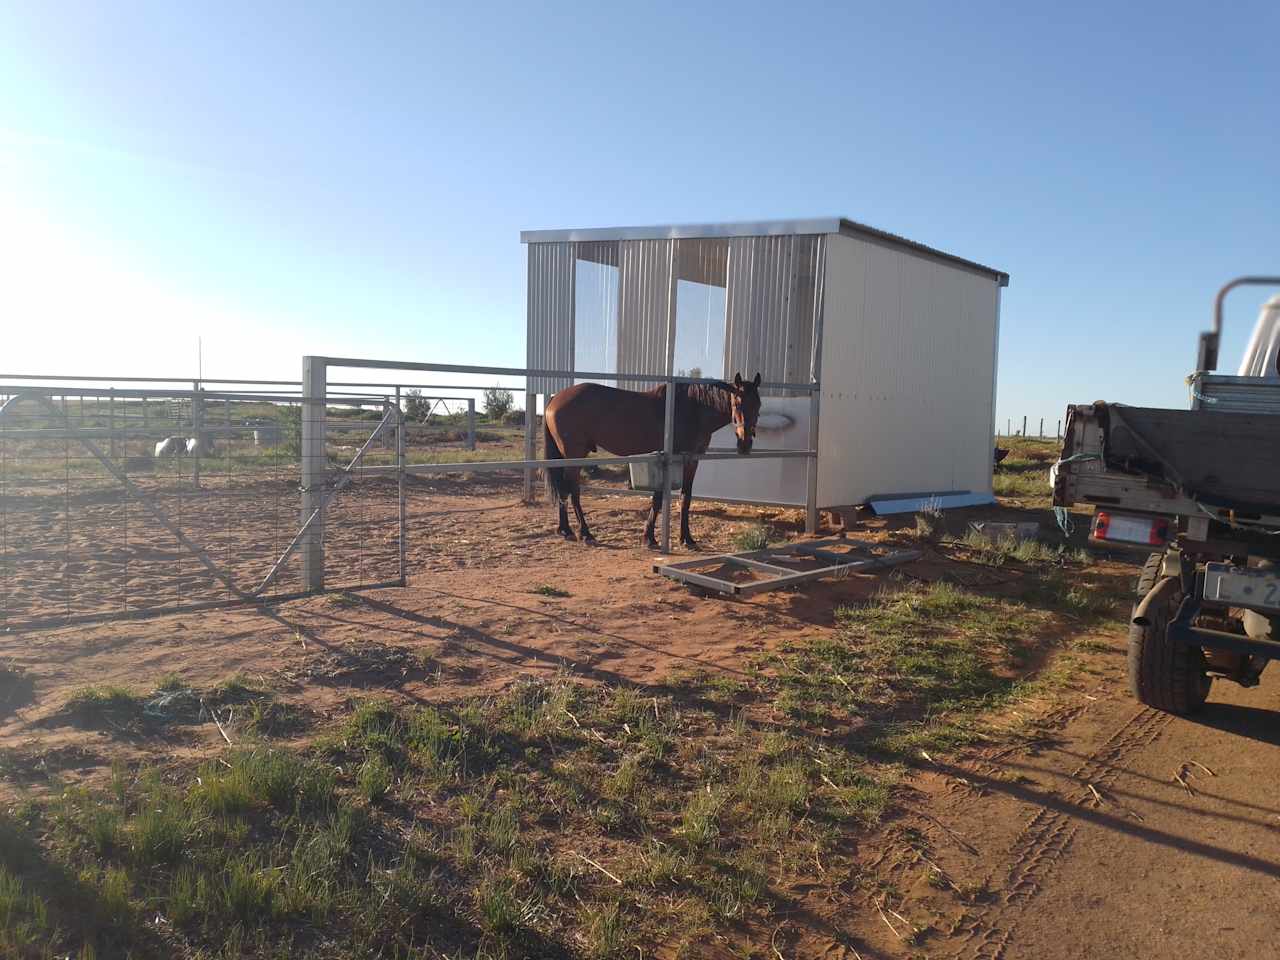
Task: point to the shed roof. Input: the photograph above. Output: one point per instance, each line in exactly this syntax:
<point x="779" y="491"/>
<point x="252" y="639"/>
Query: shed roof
<point x="760" y="228"/>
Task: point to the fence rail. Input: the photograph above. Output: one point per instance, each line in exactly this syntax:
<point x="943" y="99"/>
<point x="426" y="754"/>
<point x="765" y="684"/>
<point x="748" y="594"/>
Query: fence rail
<point x="315" y="380"/>
<point x="100" y="518"/>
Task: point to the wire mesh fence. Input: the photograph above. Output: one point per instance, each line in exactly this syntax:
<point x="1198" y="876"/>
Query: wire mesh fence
<point x="117" y="501"/>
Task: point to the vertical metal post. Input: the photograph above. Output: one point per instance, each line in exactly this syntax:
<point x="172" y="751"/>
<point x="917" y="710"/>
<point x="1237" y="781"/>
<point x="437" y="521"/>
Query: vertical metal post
<point x="471" y="422"/>
<point x="1024" y="425"/>
<point x="1041" y="434"/>
<point x="668" y="430"/>
<point x="668" y="447"/>
<point x="815" y="391"/>
<point x="401" y="518"/>
<point x="811" y="465"/>
<point x="530" y="441"/>
<point x="111" y="419"/>
<point x="1059" y="433"/>
<point x="197" y="428"/>
<point x="313" y="466"/>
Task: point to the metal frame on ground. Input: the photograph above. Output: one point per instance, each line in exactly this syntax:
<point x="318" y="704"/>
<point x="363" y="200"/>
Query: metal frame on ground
<point x="769" y="560"/>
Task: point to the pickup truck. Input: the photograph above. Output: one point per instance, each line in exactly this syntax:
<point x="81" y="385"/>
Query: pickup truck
<point x="1200" y="490"/>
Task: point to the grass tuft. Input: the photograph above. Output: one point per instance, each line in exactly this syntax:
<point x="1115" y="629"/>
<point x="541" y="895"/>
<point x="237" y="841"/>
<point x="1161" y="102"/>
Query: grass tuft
<point x="757" y="536"/>
<point x="546" y="590"/>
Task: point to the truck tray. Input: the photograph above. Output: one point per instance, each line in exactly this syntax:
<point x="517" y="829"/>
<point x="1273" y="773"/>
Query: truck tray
<point x="1222" y="459"/>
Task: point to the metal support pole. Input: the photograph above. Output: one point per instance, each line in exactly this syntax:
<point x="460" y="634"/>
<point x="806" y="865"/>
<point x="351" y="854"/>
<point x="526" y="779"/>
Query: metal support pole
<point x="111" y="419"/>
<point x="668" y="430"/>
<point x="1041" y="434"/>
<point x="530" y="441"/>
<point x="401" y="518"/>
<point x="313" y="466"/>
<point x="471" y="422"/>
<point x="197" y="428"/>
<point x="1024" y="426"/>
<point x="668" y="447"/>
<point x="811" y="467"/>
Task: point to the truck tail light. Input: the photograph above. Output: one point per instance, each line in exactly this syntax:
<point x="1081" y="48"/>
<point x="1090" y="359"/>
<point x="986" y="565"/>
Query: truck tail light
<point x="1126" y="528"/>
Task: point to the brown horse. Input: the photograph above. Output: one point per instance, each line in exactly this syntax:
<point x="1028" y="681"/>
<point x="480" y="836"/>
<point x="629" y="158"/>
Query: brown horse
<point x="589" y="417"/>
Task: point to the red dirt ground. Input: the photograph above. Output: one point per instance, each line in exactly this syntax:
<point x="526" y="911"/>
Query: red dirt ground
<point x="1033" y="866"/>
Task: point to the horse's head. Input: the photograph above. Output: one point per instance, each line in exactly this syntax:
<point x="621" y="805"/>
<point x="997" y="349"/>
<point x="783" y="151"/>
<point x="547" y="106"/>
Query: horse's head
<point x="746" y="410"/>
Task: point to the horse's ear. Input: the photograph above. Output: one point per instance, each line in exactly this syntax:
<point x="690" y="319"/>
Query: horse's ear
<point x="737" y="379"/>
<point x="756" y="382"/>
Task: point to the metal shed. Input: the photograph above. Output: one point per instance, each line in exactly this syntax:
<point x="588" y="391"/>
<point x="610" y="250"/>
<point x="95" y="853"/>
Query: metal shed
<point x="900" y="338"/>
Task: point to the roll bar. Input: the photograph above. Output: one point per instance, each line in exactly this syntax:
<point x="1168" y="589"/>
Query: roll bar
<point x="1207" y="359"/>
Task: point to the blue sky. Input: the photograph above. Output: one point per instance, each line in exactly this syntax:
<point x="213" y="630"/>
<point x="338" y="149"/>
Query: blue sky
<point x="352" y="179"/>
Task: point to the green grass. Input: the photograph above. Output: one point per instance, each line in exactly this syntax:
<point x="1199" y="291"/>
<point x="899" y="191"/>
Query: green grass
<point x="757" y="536"/>
<point x="546" y="590"/>
<point x="556" y="818"/>
<point x="1023" y="476"/>
<point x="106" y="705"/>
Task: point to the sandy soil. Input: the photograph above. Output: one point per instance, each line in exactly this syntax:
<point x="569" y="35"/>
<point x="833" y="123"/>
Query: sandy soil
<point x="1038" y="867"/>
<point x="1033" y="864"/>
<point x="470" y="620"/>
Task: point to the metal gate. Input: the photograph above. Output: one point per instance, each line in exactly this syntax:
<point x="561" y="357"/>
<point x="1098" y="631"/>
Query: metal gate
<point x="119" y="501"/>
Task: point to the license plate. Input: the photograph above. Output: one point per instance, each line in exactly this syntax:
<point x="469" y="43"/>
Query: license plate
<point x="1242" y="587"/>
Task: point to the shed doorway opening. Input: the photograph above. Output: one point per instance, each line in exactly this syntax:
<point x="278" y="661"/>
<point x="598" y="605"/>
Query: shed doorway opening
<point x="595" y="309"/>
<point x="701" y="308"/>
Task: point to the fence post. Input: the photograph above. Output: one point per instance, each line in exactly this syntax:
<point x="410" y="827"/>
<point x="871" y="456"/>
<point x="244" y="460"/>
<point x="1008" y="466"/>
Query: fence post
<point x="1041" y="434"/>
<point x="197" y="428"/>
<point x="668" y="447"/>
<point x="401" y="517"/>
<point x="314" y="379"/>
<point x="1059" y="434"/>
<point x="1024" y="426"/>
<point x="530" y="437"/>
<point x="471" y="422"/>
<point x="111" y="419"/>
<point x="811" y="463"/>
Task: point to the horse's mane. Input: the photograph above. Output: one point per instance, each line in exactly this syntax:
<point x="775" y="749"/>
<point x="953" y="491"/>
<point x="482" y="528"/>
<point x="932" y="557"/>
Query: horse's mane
<point x="718" y="395"/>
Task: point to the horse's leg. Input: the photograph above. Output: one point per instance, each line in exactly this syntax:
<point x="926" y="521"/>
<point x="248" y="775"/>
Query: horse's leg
<point x="686" y="495"/>
<point x="654" y="510"/>
<point x="575" y="488"/>
<point x="564" y="529"/>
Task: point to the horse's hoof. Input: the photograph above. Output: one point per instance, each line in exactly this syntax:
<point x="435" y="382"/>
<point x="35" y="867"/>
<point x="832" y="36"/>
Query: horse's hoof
<point x="589" y="540"/>
<point x="567" y="534"/>
<point x="649" y="544"/>
<point x="690" y="545"/>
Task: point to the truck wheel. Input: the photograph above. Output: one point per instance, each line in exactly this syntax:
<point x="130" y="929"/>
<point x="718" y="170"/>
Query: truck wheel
<point x="1164" y="675"/>
<point x="1147" y="579"/>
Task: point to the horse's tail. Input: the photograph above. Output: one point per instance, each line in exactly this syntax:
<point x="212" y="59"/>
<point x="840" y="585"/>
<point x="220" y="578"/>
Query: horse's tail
<point x="557" y="486"/>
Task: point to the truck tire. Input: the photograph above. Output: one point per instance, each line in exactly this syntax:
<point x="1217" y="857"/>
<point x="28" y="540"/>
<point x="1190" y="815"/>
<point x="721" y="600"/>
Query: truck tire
<point x="1147" y="579"/>
<point x="1164" y="675"/>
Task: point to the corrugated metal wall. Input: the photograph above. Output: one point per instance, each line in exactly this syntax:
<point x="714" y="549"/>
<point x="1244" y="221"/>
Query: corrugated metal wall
<point x="773" y="306"/>
<point x="645" y="302"/>
<point x="772" y="299"/>
<point x="549" y="333"/>
<point x="908" y="363"/>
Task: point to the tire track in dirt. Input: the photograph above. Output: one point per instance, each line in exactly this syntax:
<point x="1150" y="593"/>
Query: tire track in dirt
<point x="1046" y="838"/>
